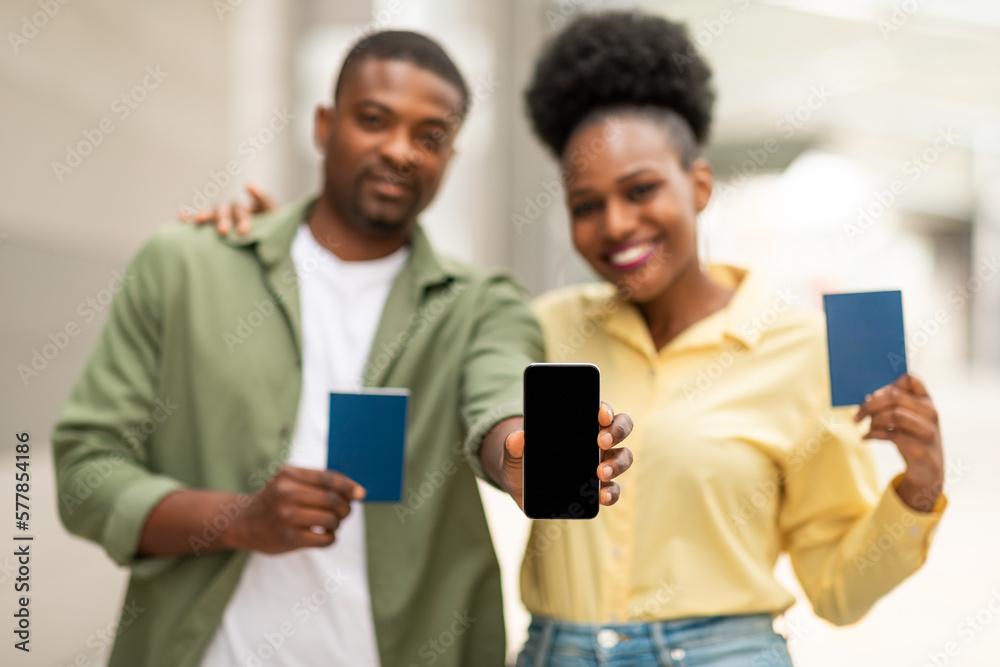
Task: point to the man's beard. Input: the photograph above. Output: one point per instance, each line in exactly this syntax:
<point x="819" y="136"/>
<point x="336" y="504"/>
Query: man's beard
<point x="378" y="223"/>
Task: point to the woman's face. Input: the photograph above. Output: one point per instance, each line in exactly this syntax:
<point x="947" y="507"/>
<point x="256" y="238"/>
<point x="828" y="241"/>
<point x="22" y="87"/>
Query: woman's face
<point x="632" y="204"/>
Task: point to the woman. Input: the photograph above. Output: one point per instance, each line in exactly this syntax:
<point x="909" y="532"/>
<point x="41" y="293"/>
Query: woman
<point x="739" y="455"/>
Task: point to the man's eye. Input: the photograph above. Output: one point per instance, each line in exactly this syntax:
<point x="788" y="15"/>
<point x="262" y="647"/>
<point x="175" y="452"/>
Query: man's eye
<point x="430" y="143"/>
<point x="370" y="120"/>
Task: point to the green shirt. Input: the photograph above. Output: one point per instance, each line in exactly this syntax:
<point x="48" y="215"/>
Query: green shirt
<point x="195" y="383"/>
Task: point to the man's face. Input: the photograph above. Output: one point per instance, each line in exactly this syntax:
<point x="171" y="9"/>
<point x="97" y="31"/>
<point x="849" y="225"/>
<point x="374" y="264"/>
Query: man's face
<point x="387" y="143"/>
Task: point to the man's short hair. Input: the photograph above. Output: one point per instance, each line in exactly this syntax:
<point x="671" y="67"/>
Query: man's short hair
<point x="407" y="46"/>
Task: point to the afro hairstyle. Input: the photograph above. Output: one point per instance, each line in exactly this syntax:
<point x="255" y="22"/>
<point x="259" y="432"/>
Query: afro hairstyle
<point x="612" y="61"/>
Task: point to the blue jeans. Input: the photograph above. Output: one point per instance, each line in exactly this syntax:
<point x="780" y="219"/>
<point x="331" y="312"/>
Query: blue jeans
<point x="716" y="641"/>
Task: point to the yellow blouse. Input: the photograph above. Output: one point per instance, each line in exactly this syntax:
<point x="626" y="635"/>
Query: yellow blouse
<point x="738" y="457"/>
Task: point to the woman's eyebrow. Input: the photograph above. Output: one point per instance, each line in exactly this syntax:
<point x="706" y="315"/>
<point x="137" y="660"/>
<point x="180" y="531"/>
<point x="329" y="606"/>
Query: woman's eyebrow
<point x="579" y="191"/>
<point x="633" y="174"/>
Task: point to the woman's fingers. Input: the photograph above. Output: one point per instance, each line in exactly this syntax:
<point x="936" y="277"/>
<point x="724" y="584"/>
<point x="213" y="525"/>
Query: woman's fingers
<point x="903" y="420"/>
<point x="261" y="202"/>
<point x="223" y="219"/>
<point x="906" y="392"/>
<point x="243" y="219"/>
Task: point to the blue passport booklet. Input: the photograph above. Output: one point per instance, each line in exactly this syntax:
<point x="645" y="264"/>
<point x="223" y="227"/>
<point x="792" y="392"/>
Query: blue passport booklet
<point x="866" y="343"/>
<point x="367" y="440"/>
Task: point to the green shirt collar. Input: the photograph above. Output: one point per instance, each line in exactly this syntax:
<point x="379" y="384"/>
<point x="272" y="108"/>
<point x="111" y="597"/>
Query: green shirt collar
<point x="274" y="231"/>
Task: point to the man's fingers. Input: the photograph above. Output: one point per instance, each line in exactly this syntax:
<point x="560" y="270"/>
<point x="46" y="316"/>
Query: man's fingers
<point x="514" y="444"/>
<point x="307" y="517"/>
<point x="310" y="496"/>
<point x="342" y="484"/>
<point x="610" y="493"/>
<point x="327" y="479"/>
<point x="613" y="463"/>
<point x="308" y="538"/>
<point x="613" y="434"/>
<point x="605" y="414"/>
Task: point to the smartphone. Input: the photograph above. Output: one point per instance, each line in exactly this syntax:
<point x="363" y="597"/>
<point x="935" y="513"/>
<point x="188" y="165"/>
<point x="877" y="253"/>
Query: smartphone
<point x="561" y="455"/>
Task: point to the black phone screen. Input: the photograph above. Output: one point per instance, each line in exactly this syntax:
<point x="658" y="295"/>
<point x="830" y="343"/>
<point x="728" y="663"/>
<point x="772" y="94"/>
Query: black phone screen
<point x="561" y="455"/>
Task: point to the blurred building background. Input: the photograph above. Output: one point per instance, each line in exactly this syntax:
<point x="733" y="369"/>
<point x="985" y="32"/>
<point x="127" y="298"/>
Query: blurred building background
<point x="856" y="145"/>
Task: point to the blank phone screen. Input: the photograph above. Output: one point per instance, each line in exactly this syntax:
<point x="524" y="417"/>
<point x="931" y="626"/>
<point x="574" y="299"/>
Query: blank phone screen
<point x="561" y="455"/>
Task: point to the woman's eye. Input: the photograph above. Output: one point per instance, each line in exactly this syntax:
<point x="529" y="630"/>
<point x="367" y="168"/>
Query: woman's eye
<point x="637" y="192"/>
<point x="583" y="209"/>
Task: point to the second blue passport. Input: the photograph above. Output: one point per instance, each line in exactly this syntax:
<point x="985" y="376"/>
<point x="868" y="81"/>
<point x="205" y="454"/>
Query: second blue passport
<point x="866" y="342"/>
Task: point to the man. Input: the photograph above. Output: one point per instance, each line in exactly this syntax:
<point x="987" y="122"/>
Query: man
<point x="202" y="410"/>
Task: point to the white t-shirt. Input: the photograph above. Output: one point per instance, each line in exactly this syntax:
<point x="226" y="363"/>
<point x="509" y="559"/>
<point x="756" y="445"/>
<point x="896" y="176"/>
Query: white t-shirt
<point x="312" y="606"/>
